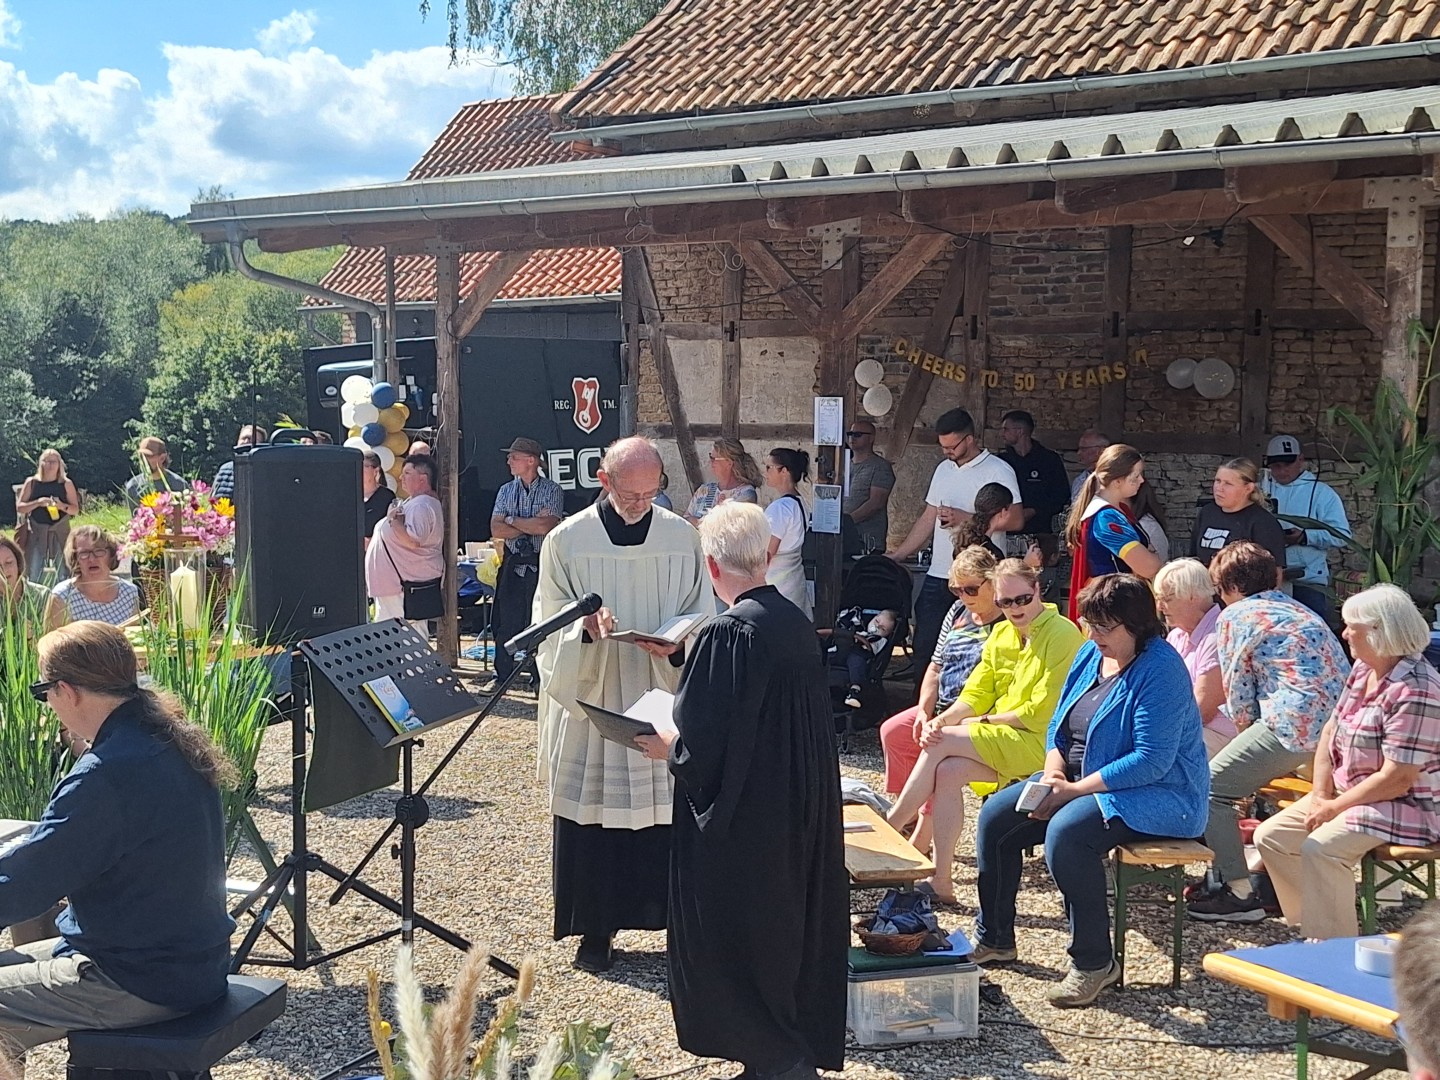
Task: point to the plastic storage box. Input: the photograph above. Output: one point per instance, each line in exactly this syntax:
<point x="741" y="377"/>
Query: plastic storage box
<point x="894" y="1000"/>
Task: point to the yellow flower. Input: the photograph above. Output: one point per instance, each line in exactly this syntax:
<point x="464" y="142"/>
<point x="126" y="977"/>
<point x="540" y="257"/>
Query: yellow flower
<point x="224" y="506"/>
<point x="150" y="499"/>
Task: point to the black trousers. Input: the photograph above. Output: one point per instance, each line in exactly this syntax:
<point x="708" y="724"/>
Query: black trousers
<point x="514" y="595"/>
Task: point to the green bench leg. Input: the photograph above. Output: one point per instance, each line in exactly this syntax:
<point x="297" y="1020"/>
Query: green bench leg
<point x="1369" y="903"/>
<point x="1302" y="1044"/>
<point x="1122" y="886"/>
<point x="1177" y="884"/>
<point x="1173" y="878"/>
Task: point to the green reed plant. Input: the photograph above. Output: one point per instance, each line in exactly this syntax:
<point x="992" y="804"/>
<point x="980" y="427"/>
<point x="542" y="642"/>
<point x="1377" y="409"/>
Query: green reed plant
<point x="32" y="758"/>
<point x="225" y="687"/>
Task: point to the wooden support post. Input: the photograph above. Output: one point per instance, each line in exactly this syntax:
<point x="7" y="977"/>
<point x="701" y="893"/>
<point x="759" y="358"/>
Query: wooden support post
<point x="639" y="282"/>
<point x="447" y="382"/>
<point x="733" y="290"/>
<point x="839" y="285"/>
<point x="779" y="280"/>
<point x="483" y="293"/>
<point x="976" y="312"/>
<point x="392" y="332"/>
<point x="1256" y="346"/>
<point x="1404" y="285"/>
<point x="632" y="327"/>
<point x="1293" y="236"/>
<point x="1115" y="347"/>
<point x="936" y="341"/>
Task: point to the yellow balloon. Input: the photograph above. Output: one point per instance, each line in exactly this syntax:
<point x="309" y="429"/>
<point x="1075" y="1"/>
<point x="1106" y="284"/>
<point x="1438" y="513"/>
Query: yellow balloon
<point x="397" y="443"/>
<point x="353" y="432"/>
<point x="402" y="409"/>
<point x="394" y="470"/>
<point x="391" y="418"/>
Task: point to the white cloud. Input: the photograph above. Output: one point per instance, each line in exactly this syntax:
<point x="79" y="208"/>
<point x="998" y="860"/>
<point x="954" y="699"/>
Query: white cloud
<point x="9" y="28"/>
<point x="291" y="32"/>
<point x="251" y="123"/>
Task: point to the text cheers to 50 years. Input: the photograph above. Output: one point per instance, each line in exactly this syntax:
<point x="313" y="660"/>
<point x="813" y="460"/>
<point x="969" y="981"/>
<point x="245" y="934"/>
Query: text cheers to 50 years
<point x="1073" y="379"/>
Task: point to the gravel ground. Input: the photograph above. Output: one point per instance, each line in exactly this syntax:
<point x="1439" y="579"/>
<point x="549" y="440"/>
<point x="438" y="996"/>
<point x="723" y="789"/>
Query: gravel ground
<point x="484" y="873"/>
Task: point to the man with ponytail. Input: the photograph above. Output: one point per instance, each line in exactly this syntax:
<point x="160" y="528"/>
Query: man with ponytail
<point x="134" y="839"/>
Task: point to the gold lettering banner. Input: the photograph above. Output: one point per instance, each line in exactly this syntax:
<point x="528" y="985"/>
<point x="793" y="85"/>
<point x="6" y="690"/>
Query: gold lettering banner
<point x="1021" y="381"/>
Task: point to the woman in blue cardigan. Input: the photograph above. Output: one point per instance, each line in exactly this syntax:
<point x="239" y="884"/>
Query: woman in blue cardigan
<point x="1125" y="761"/>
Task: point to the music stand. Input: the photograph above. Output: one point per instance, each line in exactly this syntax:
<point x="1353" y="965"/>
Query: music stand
<point x="346" y="660"/>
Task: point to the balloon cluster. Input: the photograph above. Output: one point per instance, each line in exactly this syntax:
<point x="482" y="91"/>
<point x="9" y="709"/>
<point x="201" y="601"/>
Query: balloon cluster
<point x="374" y="419"/>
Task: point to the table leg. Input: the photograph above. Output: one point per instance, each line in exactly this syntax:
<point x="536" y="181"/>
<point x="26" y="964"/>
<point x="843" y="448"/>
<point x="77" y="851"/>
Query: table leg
<point x="1302" y="1044"/>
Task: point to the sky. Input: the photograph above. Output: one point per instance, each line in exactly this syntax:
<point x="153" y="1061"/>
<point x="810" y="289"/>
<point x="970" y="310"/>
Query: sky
<point x="110" y="105"/>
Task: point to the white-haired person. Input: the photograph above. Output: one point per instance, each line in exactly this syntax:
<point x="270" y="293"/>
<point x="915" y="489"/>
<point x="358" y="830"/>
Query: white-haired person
<point x="1377" y="769"/>
<point x="1186" y="597"/>
<point x="757" y="839"/>
<point x="1417" y="991"/>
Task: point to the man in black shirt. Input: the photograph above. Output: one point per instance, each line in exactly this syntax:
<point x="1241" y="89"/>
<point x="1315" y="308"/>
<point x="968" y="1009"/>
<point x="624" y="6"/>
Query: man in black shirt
<point x="1044" y="486"/>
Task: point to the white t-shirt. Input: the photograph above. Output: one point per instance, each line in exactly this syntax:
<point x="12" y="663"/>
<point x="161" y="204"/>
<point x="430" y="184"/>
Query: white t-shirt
<point x="787" y="522"/>
<point x="955" y="486"/>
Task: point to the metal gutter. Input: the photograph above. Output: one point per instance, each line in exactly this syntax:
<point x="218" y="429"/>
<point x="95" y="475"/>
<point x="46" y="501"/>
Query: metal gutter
<point x="511" y="302"/>
<point x="601" y="135"/>
<point x="1408" y="144"/>
<point x="236" y="246"/>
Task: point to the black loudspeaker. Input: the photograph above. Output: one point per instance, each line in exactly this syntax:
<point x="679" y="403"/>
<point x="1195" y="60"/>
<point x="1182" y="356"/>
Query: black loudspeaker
<point x="299" y="528"/>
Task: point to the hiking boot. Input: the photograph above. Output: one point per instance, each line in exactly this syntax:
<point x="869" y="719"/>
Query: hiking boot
<point x="1224" y="906"/>
<point x="989" y="954"/>
<point x="1080" y="988"/>
<point x="852" y="698"/>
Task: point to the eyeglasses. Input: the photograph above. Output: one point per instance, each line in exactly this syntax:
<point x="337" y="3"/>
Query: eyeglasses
<point x="966" y="590"/>
<point x="40" y="691"/>
<point x="634" y="498"/>
<point x="857" y="434"/>
<point x="82" y="553"/>
<point x="1015" y="601"/>
<point x="1099" y="628"/>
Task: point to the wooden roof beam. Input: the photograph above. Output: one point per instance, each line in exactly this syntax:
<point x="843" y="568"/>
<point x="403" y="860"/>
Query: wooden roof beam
<point x="1088" y="196"/>
<point x="777" y="277"/>
<point x="1258" y="183"/>
<point x="1294" y="237"/>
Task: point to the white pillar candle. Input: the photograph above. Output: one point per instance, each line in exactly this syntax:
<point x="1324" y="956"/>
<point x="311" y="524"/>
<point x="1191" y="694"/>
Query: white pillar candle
<point x="185" y="595"/>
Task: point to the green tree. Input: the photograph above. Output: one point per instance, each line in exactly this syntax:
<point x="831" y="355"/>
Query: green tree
<point x="553" y="43"/>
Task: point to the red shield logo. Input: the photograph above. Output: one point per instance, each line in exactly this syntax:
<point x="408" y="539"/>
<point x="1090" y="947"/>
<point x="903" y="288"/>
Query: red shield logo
<point x="587" y="404"/>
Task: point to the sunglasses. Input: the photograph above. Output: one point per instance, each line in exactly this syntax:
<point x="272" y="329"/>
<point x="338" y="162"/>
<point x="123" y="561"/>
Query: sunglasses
<point x="857" y="434"/>
<point x="40" y="691"/>
<point x="967" y="590"/>
<point x="1015" y="601"/>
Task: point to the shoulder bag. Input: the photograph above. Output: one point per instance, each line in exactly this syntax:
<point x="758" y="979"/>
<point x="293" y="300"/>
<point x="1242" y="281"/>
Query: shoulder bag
<point x="423" y="599"/>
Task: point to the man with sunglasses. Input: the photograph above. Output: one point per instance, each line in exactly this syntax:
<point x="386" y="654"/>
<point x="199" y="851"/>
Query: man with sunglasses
<point x="967" y="468"/>
<point x="611" y="807"/>
<point x="872" y="478"/>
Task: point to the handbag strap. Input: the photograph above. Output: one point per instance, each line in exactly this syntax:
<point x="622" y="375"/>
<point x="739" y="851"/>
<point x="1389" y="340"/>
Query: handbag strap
<point x="386" y="548"/>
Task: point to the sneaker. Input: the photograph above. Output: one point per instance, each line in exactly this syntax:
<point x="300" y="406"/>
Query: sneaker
<point x="491" y="686"/>
<point x="1080" y="988"/>
<point x="852" y="698"/>
<point x="1225" y="906"/>
<point x="989" y="954"/>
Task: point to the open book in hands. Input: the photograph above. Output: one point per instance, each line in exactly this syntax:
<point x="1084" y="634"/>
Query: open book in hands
<point x="671" y="632"/>
<point x="653" y="711"/>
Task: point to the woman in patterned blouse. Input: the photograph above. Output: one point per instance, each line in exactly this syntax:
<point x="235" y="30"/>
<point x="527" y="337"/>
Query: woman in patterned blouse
<point x="1377" y="769"/>
<point x="92" y="591"/>
<point x="1282" y="670"/>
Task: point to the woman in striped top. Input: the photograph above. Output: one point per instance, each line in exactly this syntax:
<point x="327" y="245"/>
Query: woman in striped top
<point x="93" y="591"/>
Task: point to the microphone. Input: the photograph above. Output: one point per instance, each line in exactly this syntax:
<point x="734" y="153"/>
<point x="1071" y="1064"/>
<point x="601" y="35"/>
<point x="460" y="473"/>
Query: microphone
<point x="535" y="633"/>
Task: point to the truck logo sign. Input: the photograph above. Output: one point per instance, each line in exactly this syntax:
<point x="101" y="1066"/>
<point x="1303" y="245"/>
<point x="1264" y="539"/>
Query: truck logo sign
<point x="587" y="403"/>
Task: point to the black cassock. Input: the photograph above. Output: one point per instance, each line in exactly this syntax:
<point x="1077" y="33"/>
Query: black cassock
<point x="759" y="901"/>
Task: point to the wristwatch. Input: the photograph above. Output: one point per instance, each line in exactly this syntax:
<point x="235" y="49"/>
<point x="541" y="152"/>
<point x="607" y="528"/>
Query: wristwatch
<point x="509" y="519"/>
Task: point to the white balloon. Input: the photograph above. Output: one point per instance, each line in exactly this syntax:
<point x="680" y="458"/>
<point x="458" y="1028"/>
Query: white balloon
<point x="877" y="400"/>
<point x="347" y="416"/>
<point x="1214" y="378"/>
<point x="355" y="389"/>
<point x="357" y="443"/>
<point x="365" y="413"/>
<point x="392" y="483"/>
<point x="1181" y="373"/>
<point x="869" y="372"/>
<point x="386" y="455"/>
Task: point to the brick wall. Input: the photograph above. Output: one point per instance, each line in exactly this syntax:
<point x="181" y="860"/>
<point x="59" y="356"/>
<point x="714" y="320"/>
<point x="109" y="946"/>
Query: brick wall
<point x="1039" y="273"/>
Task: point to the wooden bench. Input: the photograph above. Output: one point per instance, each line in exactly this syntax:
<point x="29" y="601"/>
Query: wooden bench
<point x="879" y="857"/>
<point x="1394" y="864"/>
<point x="1285" y="791"/>
<point x="1161" y="861"/>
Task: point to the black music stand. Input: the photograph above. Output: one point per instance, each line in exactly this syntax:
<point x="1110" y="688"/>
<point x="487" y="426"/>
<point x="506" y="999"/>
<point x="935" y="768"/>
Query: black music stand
<point x="346" y="660"/>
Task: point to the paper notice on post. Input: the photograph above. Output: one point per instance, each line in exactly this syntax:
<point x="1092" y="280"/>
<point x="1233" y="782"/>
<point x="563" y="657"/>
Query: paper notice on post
<point x="829" y="421"/>
<point x="825" y="517"/>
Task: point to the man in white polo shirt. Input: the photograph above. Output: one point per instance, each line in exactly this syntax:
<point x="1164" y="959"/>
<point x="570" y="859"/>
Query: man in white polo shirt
<point x="967" y="468"/>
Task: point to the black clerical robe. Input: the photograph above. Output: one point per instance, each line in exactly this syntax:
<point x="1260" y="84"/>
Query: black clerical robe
<point x="758" y="893"/>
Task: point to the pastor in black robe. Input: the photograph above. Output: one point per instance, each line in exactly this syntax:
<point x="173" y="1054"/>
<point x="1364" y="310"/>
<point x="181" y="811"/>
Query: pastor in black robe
<point x="759" y="902"/>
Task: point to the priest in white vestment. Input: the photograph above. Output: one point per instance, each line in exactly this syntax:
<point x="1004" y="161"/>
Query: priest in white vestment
<point x="611" y="805"/>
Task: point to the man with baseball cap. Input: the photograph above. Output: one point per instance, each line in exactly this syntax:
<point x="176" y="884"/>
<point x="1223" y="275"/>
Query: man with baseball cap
<point x="526" y="508"/>
<point x="1297" y="493"/>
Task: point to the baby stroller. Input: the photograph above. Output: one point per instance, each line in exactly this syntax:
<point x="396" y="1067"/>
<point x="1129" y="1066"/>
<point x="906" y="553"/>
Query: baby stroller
<point x="874" y="584"/>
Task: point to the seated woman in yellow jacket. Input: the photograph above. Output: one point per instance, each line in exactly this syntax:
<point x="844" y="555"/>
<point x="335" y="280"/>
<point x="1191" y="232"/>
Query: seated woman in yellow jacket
<point x="995" y="732"/>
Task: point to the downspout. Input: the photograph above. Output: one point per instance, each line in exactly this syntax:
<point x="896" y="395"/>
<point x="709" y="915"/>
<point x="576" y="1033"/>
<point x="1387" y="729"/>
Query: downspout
<point x="605" y="134"/>
<point x="236" y="248"/>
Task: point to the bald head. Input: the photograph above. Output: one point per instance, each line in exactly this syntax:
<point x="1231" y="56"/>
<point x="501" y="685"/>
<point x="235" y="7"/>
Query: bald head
<point x="625" y="455"/>
<point x="630" y="474"/>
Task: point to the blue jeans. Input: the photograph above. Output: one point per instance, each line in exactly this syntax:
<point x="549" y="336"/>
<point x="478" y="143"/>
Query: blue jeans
<point x="930" y="608"/>
<point x="1313" y="597"/>
<point x="1076" y="840"/>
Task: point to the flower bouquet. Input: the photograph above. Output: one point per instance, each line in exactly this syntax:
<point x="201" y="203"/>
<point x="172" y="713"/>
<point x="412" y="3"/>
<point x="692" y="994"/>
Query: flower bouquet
<point x="168" y="519"/>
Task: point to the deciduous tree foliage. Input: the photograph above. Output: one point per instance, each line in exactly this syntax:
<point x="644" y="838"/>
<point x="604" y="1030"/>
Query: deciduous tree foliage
<point x="553" y="43"/>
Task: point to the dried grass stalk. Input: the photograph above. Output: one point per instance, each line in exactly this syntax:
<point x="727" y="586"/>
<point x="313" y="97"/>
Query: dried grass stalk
<point x="549" y="1059"/>
<point x="410" y="1011"/>
<point x="378" y="1033"/>
<point x="453" y="1019"/>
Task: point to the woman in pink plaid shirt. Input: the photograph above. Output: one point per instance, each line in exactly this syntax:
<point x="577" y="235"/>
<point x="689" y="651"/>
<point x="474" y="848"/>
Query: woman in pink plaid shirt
<point x="1377" y="769"/>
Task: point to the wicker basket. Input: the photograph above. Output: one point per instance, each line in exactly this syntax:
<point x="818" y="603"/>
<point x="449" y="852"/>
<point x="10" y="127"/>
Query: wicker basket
<point x="889" y="944"/>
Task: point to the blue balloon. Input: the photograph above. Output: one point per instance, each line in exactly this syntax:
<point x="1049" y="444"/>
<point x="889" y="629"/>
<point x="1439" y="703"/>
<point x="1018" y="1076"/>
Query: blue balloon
<point x="382" y="395"/>
<point x="374" y="434"/>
